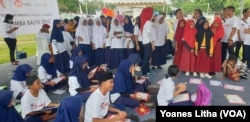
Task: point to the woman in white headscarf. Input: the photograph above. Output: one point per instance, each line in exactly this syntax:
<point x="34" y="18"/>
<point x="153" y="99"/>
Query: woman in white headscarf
<point x="117" y="43"/>
<point x="83" y="36"/>
<point x="98" y="43"/>
<point x="161" y="31"/>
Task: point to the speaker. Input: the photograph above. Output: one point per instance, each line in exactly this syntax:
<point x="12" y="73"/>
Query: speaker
<point x="21" y="55"/>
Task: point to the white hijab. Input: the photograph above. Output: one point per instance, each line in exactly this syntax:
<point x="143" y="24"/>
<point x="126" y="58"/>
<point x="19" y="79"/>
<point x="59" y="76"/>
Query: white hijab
<point x="98" y="33"/>
<point x="114" y="27"/>
<point x="82" y="30"/>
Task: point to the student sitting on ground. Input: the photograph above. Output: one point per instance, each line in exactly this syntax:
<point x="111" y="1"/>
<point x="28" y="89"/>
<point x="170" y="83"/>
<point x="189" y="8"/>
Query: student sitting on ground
<point x="75" y="52"/>
<point x="232" y="71"/>
<point x="168" y="90"/>
<point x="36" y="99"/>
<point x="8" y="111"/>
<point x="17" y="83"/>
<point x="47" y="71"/>
<point x="98" y="104"/>
<point x="70" y="110"/>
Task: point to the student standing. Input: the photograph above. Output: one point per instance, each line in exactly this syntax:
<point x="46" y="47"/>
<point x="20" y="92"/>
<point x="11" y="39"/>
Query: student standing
<point x="17" y="83"/>
<point x="10" y="36"/>
<point x="98" y="104"/>
<point x="247" y="44"/>
<point x="187" y="63"/>
<point x="128" y="29"/>
<point x="8" y="111"/>
<point x="108" y="41"/>
<point x="138" y="37"/>
<point x="59" y="51"/>
<point x="36" y="99"/>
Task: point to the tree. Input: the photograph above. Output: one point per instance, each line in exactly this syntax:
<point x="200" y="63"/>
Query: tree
<point x="68" y="5"/>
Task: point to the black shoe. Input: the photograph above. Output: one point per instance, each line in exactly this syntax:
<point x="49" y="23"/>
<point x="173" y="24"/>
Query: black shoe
<point x="243" y="77"/>
<point x="159" y="67"/>
<point x="153" y="68"/>
<point x="134" y="118"/>
<point x="212" y="73"/>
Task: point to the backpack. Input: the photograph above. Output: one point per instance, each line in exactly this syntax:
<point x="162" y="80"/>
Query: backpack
<point x="203" y="96"/>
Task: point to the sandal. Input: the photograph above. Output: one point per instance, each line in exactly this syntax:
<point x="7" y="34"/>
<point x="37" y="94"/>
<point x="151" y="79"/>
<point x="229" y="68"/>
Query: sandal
<point x="15" y="63"/>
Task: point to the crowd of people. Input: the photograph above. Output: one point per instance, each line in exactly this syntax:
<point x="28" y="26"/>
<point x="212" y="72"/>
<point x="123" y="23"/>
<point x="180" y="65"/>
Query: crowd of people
<point x="76" y="50"/>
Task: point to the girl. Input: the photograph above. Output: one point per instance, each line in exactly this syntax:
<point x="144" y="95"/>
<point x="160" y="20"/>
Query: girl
<point x="168" y="90"/>
<point x="17" y="83"/>
<point x="8" y="111"/>
<point x="159" y="55"/>
<point x="231" y="70"/>
<point x="108" y="40"/>
<point x="129" y="29"/>
<point x="138" y="37"/>
<point x="10" y="36"/>
<point x="204" y="49"/>
<point x="123" y="94"/>
<point x="70" y="27"/>
<point x="188" y="64"/>
<point x="83" y="37"/>
<point x="59" y="51"/>
<point x="76" y="52"/>
<point x="117" y="44"/>
<point x="70" y="110"/>
<point x="78" y="77"/>
<point x="43" y="40"/>
<point x="178" y="39"/>
<point x="47" y="71"/>
<point x="98" y="43"/>
<point x="218" y="32"/>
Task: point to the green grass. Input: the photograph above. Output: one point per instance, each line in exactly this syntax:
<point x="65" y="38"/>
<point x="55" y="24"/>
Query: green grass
<point x="24" y="43"/>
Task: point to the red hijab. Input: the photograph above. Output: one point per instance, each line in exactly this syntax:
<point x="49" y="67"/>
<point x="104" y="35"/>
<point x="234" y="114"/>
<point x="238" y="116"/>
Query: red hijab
<point x="189" y="33"/>
<point x="179" y="30"/>
<point x="146" y="14"/>
<point x="219" y="31"/>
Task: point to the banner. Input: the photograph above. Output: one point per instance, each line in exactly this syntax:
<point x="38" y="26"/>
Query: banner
<point x="29" y="15"/>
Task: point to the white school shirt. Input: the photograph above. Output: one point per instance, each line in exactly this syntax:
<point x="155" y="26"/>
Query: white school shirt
<point x="17" y="87"/>
<point x="7" y="27"/>
<point x="57" y="46"/>
<point x="99" y="36"/>
<point x="148" y="32"/>
<point x="116" y="42"/>
<point x="161" y="31"/>
<point x="67" y="40"/>
<point x="83" y="31"/>
<point x="166" y="92"/>
<point x="137" y="32"/>
<point x="108" y="40"/>
<point x="44" y="76"/>
<point x="73" y="85"/>
<point x="30" y="103"/>
<point x="242" y="26"/>
<point x="96" y="106"/>
<point x="42" y="41"/>
<point x="247" y="37"/>
<point x="228" y="25"/>
<point x="131" y="44"/>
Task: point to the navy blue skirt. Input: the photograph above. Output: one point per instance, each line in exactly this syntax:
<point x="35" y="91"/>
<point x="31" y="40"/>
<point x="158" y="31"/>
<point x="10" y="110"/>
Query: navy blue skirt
<point x="99" y="56"/>
<point x="127" y="52"/>
<point x="62" y="62"/>
<point x="117" y="55"/>
<point x="87" y="50"/>
<point x="159" y="56"/>
<point x="107" y="56"/>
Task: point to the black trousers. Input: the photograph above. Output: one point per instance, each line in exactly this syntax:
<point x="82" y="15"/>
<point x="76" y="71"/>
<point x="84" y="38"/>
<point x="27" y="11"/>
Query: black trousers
<point x="247" y="55"/>
<point x="140" y="52"/>
<point x="237" y="50"/>
<point x="12" y="47"/>
<point x="225" y="48"/>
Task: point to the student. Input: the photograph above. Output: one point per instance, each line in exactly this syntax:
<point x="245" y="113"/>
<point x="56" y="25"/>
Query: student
<point x="138" y="37"/>
<point x="36" y="99"/>
<point x="68" y="41"/>
<point x="47" y="71"/>
<point x="204" y="49"/>
<point x="17" y="83"/>
<point x="168" y="90"/>
<point x="75" y="52"/>
<point x="123" y="94"/>
<point x="70" y="27"/>
<point x="43" y="41"/>
<point x="78" y="76"/>
<point x="83" y="36"/>
<point x="128" y="29"/>
<point x="59" y="51"/>
<point x="70" y="110"/>
<point x="134" y="58"/>
<point x="98" y="42"/>
<point x="8" y="111"/>
<point x="178" y="38"/>
<point x="247" y="42"/>
<point x="10" y="36"/>
<point x="231" y="69"/>
<point x="98" y="104"/>
<point x="161" y="31"/>
<point x="188" y="62"/>
<point x="108" y="41"/>
<point x="199" y="19"/>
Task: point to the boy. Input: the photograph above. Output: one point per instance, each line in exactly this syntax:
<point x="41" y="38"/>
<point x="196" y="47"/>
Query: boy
<point x="98" y="104"/>
<point x="36" y="99"/>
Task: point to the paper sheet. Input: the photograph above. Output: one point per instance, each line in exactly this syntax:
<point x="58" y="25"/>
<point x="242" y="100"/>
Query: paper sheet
<point x="234" y="87"/>
<point x="59" y="91"/>
<point x="144" y="96"/>
<point x="181" y="98"/>
<point x="195" y="81"/>
<point x="216" y="83"/>
<point x="234" y="99"/>
<point x="140" y="81"/>
<point x="193" y="97"/>
<point x="57" y="79"/>
<point x="2" y="87"/>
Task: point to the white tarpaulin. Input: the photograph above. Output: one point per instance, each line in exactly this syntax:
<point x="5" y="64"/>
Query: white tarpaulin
<point x="29" y="15"/>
